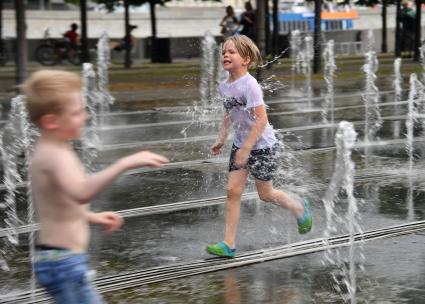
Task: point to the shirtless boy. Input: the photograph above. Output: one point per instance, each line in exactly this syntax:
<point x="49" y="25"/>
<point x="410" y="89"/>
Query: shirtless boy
<point x="62" y="190"/>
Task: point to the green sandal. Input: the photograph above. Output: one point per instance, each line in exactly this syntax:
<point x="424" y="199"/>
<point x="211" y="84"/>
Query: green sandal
<point x="305" y="222"/>
<point x="221" y="249"/>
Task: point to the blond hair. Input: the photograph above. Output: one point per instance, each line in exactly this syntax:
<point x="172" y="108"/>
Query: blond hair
<point x="246" y="48"/>
<point x="48" y="92"/>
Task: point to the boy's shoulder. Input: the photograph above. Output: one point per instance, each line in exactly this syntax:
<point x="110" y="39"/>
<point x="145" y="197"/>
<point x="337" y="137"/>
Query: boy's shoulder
<point x="46" y="153"/>
<point x="251" y="79"/>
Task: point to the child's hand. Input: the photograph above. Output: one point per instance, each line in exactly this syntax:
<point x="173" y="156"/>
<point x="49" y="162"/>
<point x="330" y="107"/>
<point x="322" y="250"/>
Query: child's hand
<point x="111" y="221"/>
<point x="241" y="157"/>
<point x="144" y="158"/>
<point x="216" y="148"/>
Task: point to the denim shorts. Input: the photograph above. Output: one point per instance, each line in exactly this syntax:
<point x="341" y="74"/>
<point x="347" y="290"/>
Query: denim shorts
<point x="262" y="163"/>
<point x="66" y="277"/>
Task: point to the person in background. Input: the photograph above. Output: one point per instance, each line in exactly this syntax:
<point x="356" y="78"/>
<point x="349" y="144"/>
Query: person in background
<point x="72" y="37"/>
<point x="122" y="44"/>
<point x="229" y="24"/>
<point x="408" y="21"/>
<point x="248" y="21"/>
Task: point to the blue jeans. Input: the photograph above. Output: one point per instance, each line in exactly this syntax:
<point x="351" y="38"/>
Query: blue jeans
<point x="66" y="279"/>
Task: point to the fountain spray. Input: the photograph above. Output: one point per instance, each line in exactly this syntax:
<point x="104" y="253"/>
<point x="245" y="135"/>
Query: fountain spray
<point x="307" y="56"/>
<point x="329" y="73"/>
<point x="295" y="45"/>
<point x="397" y="85"/>
<point x="373" y="120"/>
<point x="207" y="84"/>
<point x="343" y="178"/>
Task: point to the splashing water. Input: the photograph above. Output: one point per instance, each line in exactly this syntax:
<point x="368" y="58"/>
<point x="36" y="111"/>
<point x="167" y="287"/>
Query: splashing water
<point x="343" y="178"/>
<point x="415" y="90"/>
<point x="397" y="85"/>
<point x="98" y="100"/>
<point x="295" y="45"/>
<point x="272" y="61"/>
<point x="29" y="136"/>
<point x="373" y="120"/>
<point x="422" y="56"/>
<point x="222" y="74"/>
<point x="103" y="62"/>
<point x="16" y="146"/>
<point x="90" y="140"/>
<point x="411" y="117"/>
<point x="10" y="147"/>
<point x="208" y="66"/>
<point x="370" y="41"/>
<point x="307" y="57"/>
<point x="329" y="71"/>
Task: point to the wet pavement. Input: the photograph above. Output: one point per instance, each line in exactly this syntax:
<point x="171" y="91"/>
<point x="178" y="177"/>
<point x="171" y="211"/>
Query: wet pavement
<point x="392" y="271"/>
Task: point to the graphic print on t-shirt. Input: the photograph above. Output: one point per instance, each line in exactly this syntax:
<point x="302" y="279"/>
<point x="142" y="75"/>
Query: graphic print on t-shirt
<point x="231" y="102"/>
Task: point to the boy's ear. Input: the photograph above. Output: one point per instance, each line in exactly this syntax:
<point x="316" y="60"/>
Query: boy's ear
<point x="49" y="121"/>
<point x="247" y="60"/>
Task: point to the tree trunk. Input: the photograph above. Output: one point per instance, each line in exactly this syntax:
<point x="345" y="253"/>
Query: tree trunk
<point x="267" y="26"/>
<point x="384" y="26"/>
<point x="21" y="45"/>
<point x="317" y="36"/>
<point x="417" y="44"/>
<point x="1" y="21"/>
<point x="261" y="18"/>
<point x="261" y="33"/>
<point x="85" y="55"/>
<point x="397" y="30"/>
<point x="153" y="18"/>
<point x="127" y="58"/>
<point x="275" y="47"/>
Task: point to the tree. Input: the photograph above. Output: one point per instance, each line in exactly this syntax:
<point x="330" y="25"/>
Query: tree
<point x="1" y="21"/>
<point x="110" y="6"/>
<point x="384" y="4"/>
<point x="261" y="26"/>
<point x="317" y="36"/>
<point x="384" y="26"/>
<point x="417" y="42"/>
<point x="21" y="46"/>
<point x="85" y="54"/>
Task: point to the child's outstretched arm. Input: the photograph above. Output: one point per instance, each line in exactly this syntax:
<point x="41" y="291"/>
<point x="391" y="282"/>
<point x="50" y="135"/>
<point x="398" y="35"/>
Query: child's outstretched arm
<point x="222" y="135"/>
<point x="111" y="221"/>
<point x="70" y="177"/>
<point x="261" y="121"/>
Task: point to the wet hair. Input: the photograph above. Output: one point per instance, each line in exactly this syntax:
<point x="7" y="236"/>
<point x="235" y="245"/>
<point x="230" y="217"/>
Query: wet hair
<point x="246" y="48"/>
<point x="48" y="92"/>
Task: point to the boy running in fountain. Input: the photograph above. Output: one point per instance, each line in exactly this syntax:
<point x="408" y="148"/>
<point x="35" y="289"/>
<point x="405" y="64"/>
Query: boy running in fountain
<point x="61" y="189"/>
<point x="254" y="145"/>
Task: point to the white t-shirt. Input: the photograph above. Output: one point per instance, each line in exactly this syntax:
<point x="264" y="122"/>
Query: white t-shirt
<point x="239" y="97"/>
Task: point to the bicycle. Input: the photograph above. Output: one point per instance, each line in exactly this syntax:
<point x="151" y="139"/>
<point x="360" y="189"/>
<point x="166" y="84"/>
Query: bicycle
<point x="54" y="51"/>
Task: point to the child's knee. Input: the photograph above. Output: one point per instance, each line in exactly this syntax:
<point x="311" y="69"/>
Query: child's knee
<point x="234" y="193"/>
<point x="267" y="197"/>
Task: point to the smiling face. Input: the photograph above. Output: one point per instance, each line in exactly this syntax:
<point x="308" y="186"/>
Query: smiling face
<point x="231" y="60"/>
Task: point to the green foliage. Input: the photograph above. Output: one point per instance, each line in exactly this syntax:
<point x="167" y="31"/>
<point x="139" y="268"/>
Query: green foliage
<point x="110" y="4"/>
<point x="367" y="2"/>
<point x="374" y="2"/>
<point x="358" y="2"/>
<point x="76" y="2"/>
